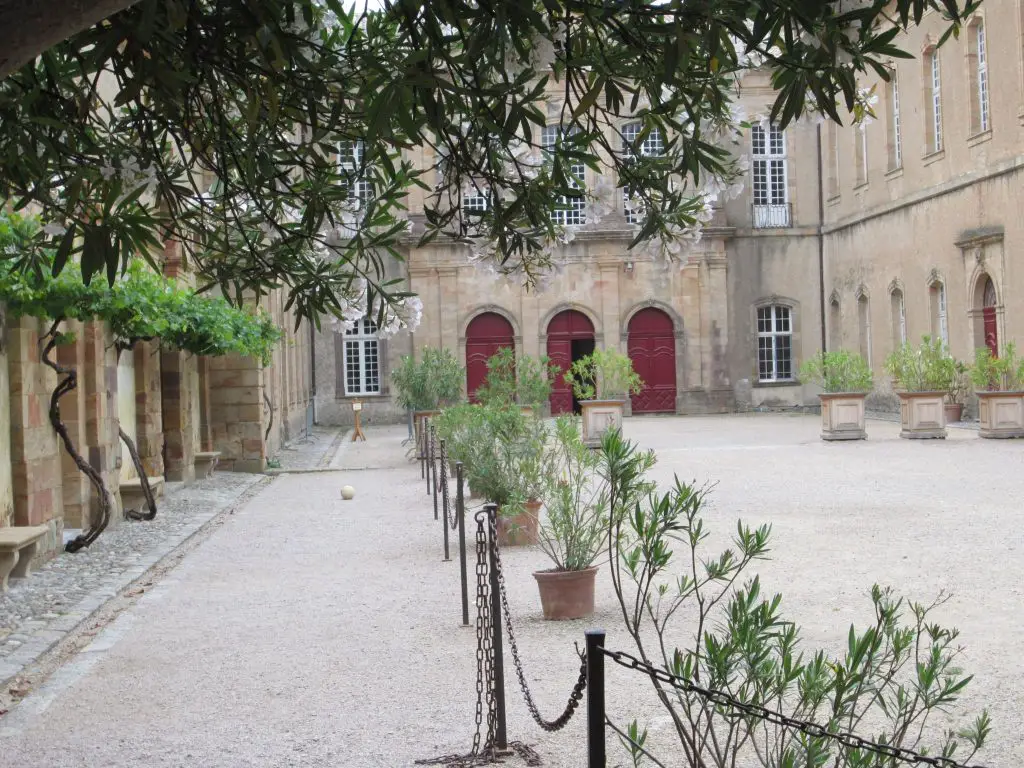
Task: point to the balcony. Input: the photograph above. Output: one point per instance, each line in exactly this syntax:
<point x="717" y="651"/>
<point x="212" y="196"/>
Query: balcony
<point x="778" y="216"/>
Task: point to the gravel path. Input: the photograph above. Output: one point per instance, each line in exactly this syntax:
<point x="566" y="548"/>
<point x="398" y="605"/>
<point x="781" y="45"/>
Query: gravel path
<point x="310" y="631"/>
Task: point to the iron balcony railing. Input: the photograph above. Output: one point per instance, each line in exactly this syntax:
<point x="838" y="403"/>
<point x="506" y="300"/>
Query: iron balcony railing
<point x="774" y="216"/>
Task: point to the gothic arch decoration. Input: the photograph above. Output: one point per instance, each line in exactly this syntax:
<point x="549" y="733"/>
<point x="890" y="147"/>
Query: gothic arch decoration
<point x="651" y="345"/>
<point x="934" y="276"/>
<point x="898" y="312"/>
<point x="835" y="322"/>
<point x="896" y="285"/>
<point x="862" y="292"/>
<point x="569" y="335"/>
<point x="485" y="334"/>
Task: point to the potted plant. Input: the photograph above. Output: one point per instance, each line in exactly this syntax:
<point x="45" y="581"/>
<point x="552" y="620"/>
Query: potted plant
<point x="845" y="379"/>
<point x="494" y="466"/>
<point x="519" y="525"/>
<point x="998" y="383"/>
<point x="921" y="376"/>
<point x="521" y="380"/>
<point x="573" y="531"/>
<point x="956" y="391"/>
<point x="601" y="382"/>
<point x="426" y="386"/>
<point x="461" y="427"/>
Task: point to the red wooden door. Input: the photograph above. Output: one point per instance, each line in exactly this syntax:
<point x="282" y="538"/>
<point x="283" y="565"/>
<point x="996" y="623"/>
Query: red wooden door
<point x="652" y="348"/>
<point x="564" y="328"/>
<point x="487" y="333"/>
<point x="991" y="334"/>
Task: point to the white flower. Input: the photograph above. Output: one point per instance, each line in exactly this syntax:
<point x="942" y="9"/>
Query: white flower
<point x="53" y="229"/>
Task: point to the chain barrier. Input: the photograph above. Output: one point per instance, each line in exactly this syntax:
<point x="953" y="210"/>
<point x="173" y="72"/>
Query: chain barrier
<point x="806" y="727"/>
<point x="581" y="683"/>
<point x="449" y="508"/>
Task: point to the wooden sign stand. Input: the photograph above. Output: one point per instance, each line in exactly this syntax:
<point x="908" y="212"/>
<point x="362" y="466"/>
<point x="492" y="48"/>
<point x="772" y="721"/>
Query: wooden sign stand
<point x="357" y="433"/>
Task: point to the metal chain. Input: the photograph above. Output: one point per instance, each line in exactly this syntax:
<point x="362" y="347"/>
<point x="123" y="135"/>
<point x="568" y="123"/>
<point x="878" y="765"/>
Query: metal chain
<point x="809" y="728"/>
<point x="581" y="683"/>
<point x="449" y="507"/>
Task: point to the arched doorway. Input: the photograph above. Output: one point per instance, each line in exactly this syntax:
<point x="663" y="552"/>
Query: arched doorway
<point x="487" y="333"/>
<point x="652" y="348"/>
<point x="570" y="337"/>
<point x="986" y="331"/>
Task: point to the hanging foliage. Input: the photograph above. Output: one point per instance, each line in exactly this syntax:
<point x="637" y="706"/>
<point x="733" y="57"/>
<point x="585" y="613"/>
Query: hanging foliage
<point x="140" y="306"/>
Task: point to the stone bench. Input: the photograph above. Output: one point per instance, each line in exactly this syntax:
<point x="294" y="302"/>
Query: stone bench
<point x="18" y="545"/>
<point x="205" y="463"/>
<point x="132" y="496"/>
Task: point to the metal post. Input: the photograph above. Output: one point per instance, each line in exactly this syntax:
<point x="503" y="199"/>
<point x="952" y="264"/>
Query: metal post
<point x="420" y="446"/>
<point x="596" y="757"/>
<point x="425" y="429"/>
<point x="460" y="510"/>
<point x="446" y="502"/>
<point x="500" y="730"/>
<point x="433" y="469"/>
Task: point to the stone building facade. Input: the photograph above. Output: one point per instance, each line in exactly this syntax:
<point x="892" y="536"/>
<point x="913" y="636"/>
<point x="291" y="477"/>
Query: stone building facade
<point x="173" y="405"/>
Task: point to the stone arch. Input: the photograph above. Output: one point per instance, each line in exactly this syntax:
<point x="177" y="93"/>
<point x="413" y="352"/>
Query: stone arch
<point x="987" y="311"/>
<point x="863" y="299"/>
<point x="898" y="312"/>
<point x="938" y="303"/>
<point x="668" y="309"/>
<point x="562" y="307"/>
<point x="835" y="322"/>
<point x="480" y="309"/>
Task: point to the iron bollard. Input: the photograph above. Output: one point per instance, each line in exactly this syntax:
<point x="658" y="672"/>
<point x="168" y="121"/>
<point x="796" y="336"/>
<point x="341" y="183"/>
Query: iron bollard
<point x="433" y="467"/>
<point x="596" y="757"/>
<point x="460" y="511"/>
<point x="446" y="504"/>
<point x="500" y="729"/>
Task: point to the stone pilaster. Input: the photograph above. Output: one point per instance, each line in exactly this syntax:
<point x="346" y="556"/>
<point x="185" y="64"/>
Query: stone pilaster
<point x="99" y="378"/>
<point x="75" y="486"/>
<point x="239" y="419"/>
<point x="149" y="423"/>
<point x="177" y="411"/>
<point x="35" y="461"/>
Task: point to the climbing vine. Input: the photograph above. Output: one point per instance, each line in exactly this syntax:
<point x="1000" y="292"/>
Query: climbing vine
<point x="140" y="306"/>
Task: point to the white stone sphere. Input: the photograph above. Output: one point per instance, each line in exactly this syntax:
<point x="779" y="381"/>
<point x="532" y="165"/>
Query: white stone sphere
<point x="347" y="492"/>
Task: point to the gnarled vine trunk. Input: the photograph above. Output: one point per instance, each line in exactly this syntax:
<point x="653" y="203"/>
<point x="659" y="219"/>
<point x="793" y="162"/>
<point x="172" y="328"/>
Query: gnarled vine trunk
<point x="67" y="381"/>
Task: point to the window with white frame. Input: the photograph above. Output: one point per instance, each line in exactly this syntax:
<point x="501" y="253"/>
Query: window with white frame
<point x="352" y="158"/>
<point x="978" y="56"/>
<point x="362" y="359"/>
<point x="934" y="127"/>
<point x="774" y="343"/>
<point x="652" y="145"/>
<point x="475" y="201"/>
<point x="571" y="210"/>
<point x="895" y="137"/>
<point x="771" y="196"/>
<point x="937" y="296"/>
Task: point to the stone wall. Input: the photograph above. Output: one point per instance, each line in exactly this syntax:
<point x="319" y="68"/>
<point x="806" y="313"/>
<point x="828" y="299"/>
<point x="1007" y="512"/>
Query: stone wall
<point x="6" y="487"/>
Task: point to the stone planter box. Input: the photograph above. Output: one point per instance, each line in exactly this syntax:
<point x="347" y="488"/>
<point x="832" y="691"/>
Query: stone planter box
<point x="1001" y="414"/>
<point x="842" y="416"/>
<point x="922" y="415"/>
<point x="600" y="416"/>
<point x="205" y="463"/>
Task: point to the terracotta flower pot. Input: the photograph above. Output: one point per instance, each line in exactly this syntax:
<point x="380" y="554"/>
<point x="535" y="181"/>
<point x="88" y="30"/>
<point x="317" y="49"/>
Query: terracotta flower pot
<point x="522" y="529"/>
<point x="954" y="412"/>
<point x="566" y="594"/>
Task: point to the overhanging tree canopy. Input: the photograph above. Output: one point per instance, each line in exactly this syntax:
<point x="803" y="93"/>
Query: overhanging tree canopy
<point x="273" y="138"/>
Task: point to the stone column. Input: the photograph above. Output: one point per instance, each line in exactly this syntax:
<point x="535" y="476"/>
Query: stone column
<point x="35" y="461"/>
<point x="179" y="452"/>
<point x="238" y="418"/>
<point x="76" y="488"/>
<point x="101" y="422"/>
<point x="205" y="430"/>
<point x="149" y="423"/>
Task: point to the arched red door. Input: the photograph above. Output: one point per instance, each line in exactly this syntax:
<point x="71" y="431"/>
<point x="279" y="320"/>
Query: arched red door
<point x="570" y="337"/>
<point x="487" y="333"/>
<point x="652" y="348"/>
<point x="988" y="314"/>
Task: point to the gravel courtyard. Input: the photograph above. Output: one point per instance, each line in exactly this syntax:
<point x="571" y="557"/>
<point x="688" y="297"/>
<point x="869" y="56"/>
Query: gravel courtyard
<point x="310" y="631"/>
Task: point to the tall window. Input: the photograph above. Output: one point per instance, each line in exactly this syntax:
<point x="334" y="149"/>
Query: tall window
<point x="352" y="158"/>
<point x="771" y="198"/>
<point x="899" y="319"/>
<point x="835" y="325"/>
<point x="833" y="159"/>
<point x="978" y="57"/>
<point x="774" y="343"/>
<point x="362" y="359"/>
<point x="937" y="302"/>
<point x="571" y="210"/>
<point x="895" y="139"/>
<point x="475" y="201"/>
<point x="653" y="145"/>
<point x="864" y="327"/>
<point x="934" y="101"/>
<point x="860" y="151"/>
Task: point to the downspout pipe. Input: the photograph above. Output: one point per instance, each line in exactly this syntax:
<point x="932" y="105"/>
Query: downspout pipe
<point x="821" y="240"/>
<point x="312" y="367"/>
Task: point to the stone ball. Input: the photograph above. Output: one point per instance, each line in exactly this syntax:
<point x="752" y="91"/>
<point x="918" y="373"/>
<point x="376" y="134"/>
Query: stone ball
<point x="347" y="492"/>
